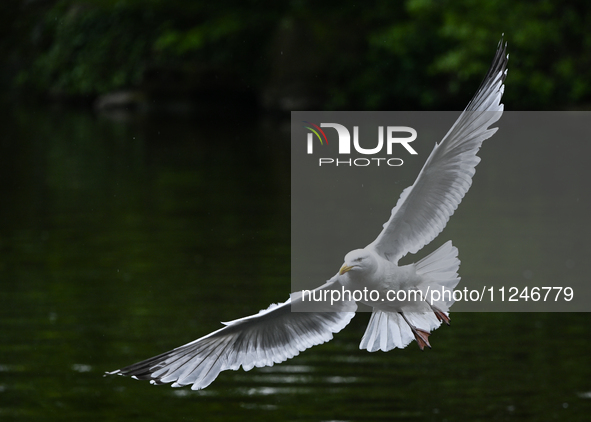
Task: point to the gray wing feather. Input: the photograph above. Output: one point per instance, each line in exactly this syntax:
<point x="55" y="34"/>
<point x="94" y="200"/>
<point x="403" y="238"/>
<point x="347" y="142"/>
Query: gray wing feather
<point x="271" y="336"/>
<point x="423" y="209"/>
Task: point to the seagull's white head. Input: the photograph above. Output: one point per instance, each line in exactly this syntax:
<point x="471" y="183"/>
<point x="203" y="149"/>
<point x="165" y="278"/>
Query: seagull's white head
<point x="359" y="262"/>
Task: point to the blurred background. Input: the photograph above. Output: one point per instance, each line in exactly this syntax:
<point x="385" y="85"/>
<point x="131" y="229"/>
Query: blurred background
<point x="145" y="191"/>
<point x="281" y="56"/>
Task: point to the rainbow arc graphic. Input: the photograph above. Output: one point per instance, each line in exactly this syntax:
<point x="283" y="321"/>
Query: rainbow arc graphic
<point x="316" y="132"/>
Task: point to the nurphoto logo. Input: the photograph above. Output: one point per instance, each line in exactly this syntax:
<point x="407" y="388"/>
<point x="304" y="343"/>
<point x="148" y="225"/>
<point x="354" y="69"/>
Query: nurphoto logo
<point x="402" y="135"/>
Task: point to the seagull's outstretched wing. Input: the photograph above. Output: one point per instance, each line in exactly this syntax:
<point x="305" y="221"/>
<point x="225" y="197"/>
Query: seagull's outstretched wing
<point x="423" y="209"/>
<point x="271" y="336"/>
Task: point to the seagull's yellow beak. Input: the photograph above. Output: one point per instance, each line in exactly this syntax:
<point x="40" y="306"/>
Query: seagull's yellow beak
<point x="344" y="269"/>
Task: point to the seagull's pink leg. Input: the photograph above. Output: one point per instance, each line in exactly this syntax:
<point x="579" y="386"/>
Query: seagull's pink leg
<point x="421" y="336"/>
<point x="441" y="316"/>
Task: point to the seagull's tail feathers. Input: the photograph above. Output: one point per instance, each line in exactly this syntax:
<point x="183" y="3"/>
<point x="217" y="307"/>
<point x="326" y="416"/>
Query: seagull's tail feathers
<point x="385" y="331"/>
<point x="440" y="272"/>
<point x="389" y="330"/>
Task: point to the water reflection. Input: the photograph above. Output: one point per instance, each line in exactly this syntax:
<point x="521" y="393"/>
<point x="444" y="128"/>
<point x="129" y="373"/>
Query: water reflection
<point x="120" y="240"/>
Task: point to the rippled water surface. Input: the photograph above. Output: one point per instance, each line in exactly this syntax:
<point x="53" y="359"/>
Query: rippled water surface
<point x="123" y="238"/>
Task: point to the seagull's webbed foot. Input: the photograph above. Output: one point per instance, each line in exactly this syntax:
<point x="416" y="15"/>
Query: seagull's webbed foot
<point x="421" y="336"/>
<point x="441" y="316"/>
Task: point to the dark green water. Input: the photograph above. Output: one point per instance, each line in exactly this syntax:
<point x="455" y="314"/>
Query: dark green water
<point x="123" y="239"/>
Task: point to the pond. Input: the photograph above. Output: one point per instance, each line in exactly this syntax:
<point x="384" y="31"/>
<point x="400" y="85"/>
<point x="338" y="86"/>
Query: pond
<point x="124" y="237"/>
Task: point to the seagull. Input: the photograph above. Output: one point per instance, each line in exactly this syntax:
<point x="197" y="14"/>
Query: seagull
<point x="278" y="333"/>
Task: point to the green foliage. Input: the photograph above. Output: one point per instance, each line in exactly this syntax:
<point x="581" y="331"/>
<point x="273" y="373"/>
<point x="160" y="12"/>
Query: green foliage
<point x="98" y="46"/>
<point x="433" y="53"/>
<point x="549" y="64"/>
<point x="179" y="42"/>
<point x="90" y="50"/>
<point x="549" y="44"/>
<point x="416" y="54"/>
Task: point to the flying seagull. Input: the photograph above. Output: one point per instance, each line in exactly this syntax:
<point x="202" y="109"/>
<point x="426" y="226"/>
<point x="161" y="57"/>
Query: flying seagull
<point x="422" y="211"/>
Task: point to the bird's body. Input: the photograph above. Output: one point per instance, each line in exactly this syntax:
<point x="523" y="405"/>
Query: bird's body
<point x="422" y="211"/>
<point x="383" y="277"/>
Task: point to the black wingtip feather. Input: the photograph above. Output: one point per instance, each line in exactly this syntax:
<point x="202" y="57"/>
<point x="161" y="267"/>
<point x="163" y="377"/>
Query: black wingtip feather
<point x="499" y="64"/>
